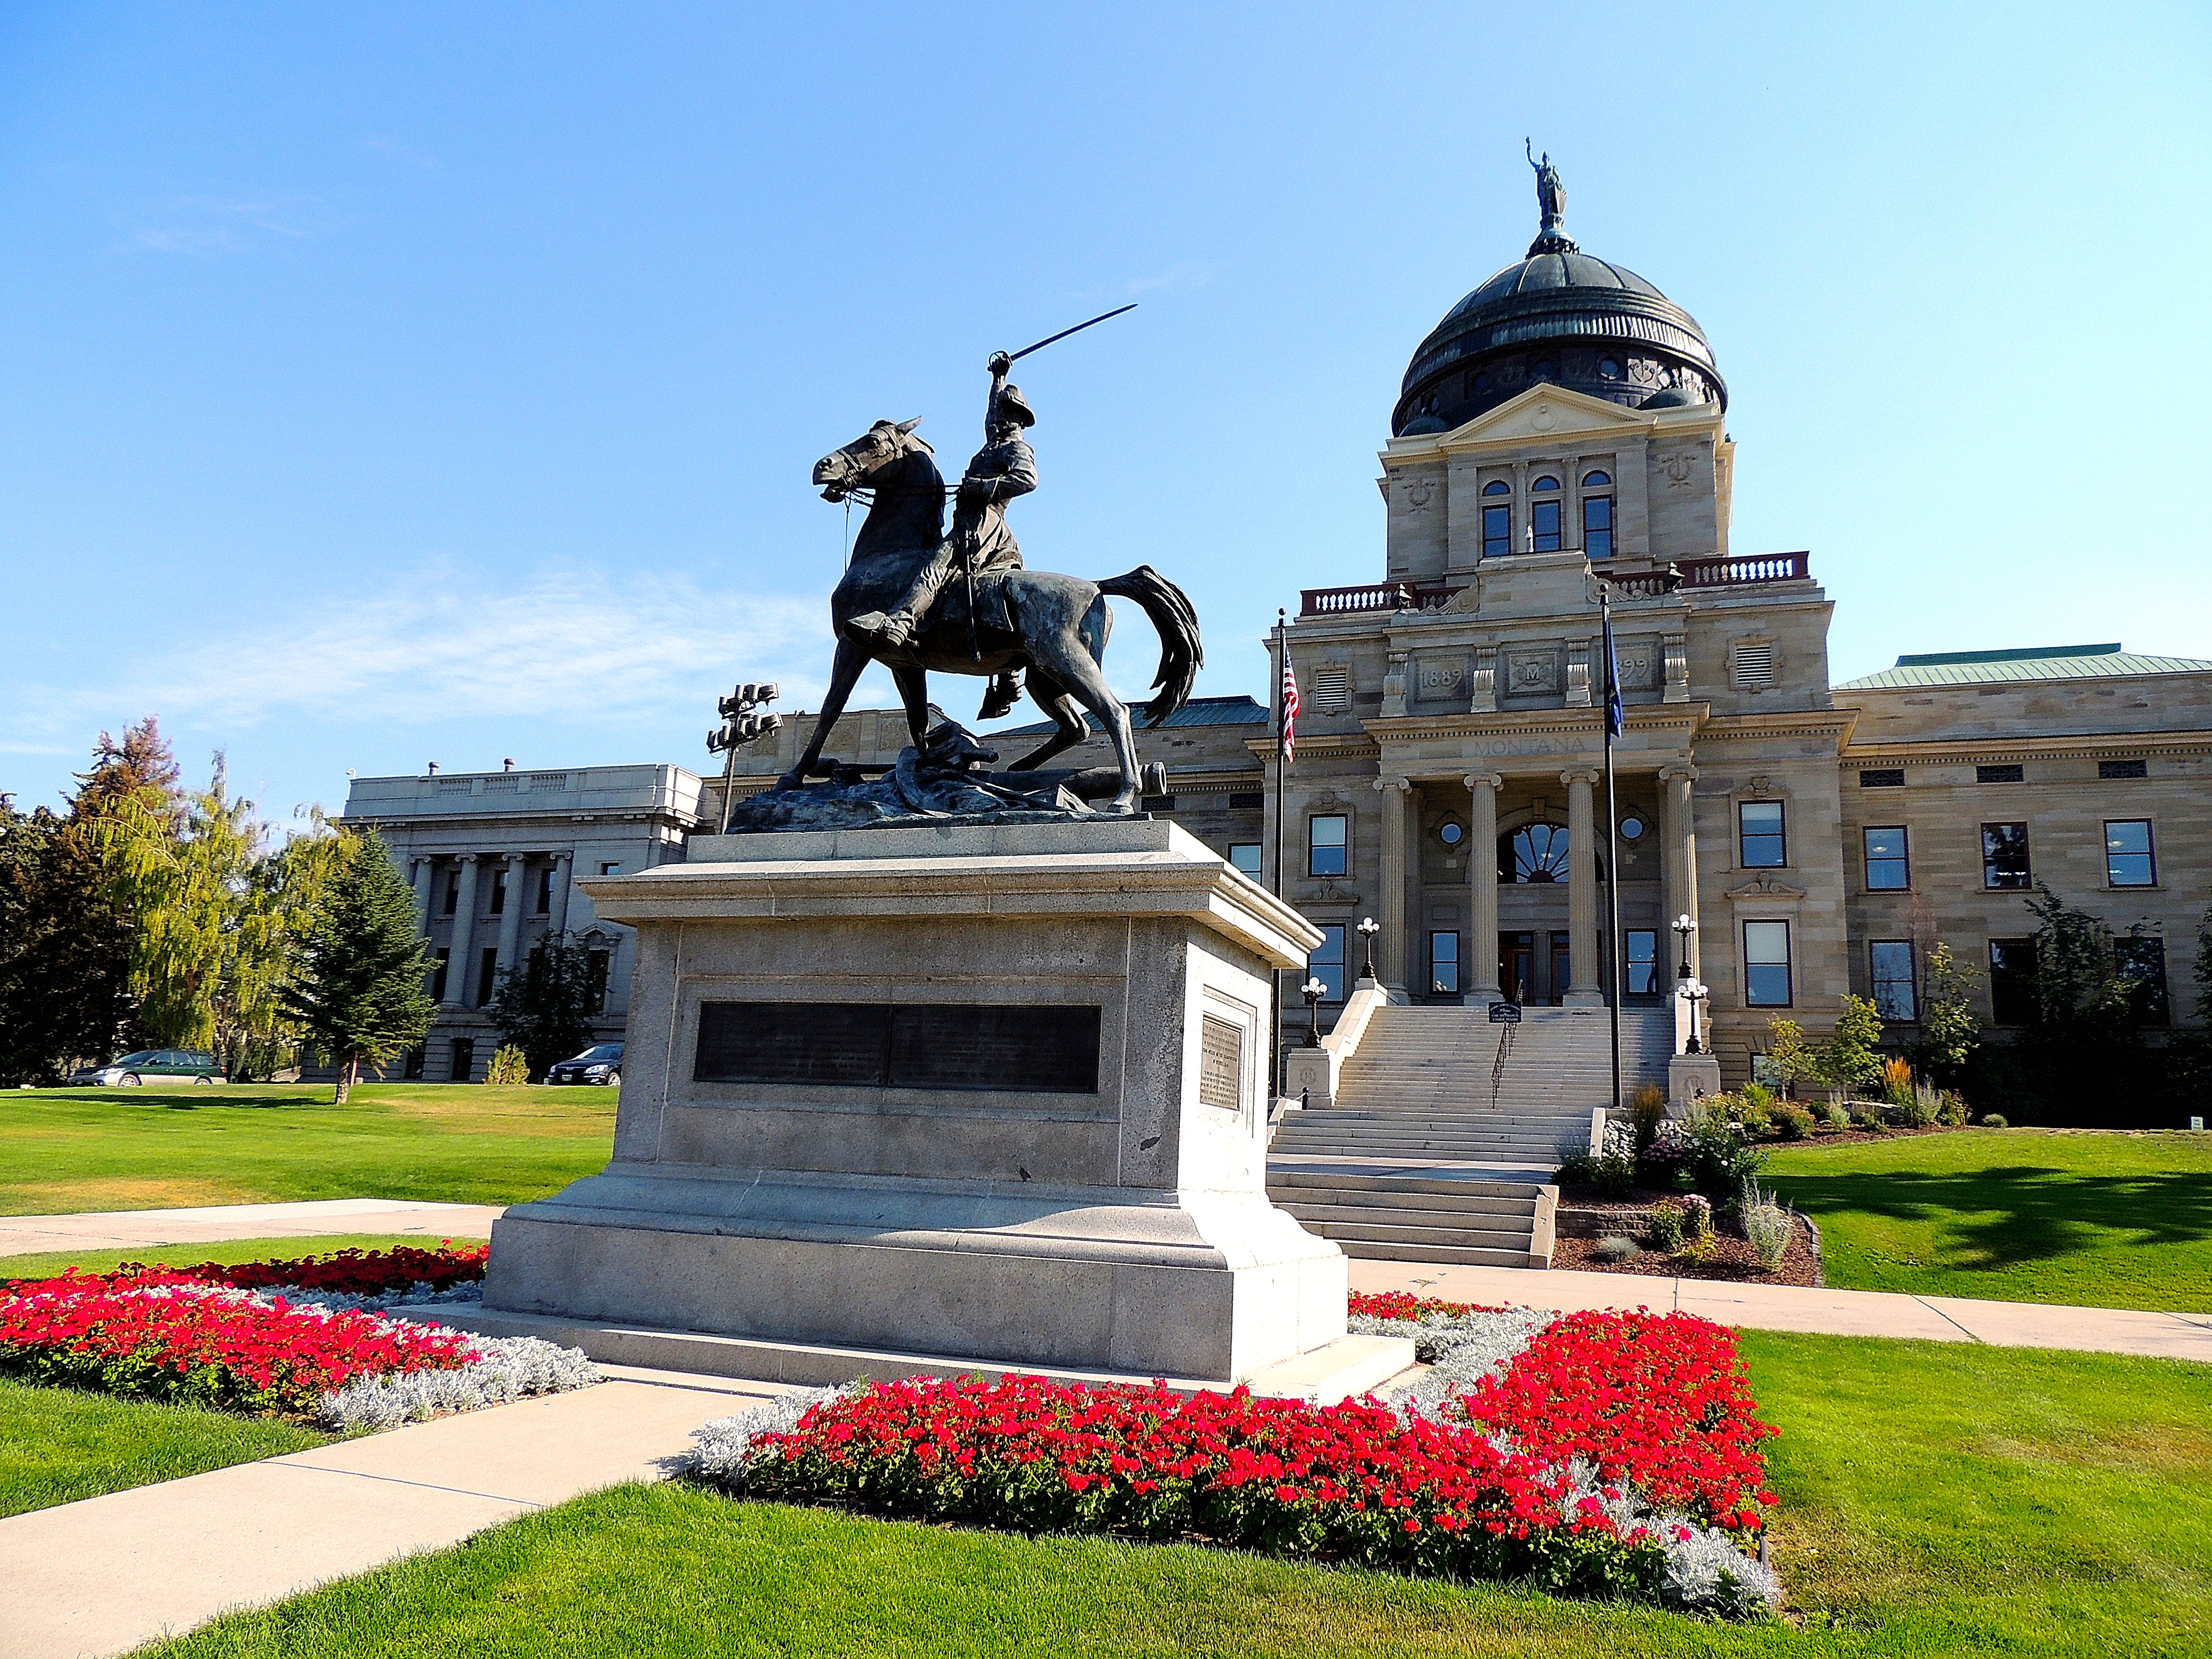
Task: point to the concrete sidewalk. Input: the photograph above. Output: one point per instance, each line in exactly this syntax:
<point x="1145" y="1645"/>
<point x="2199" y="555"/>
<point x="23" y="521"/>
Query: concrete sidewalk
<point x="129" y="1229"/>
<point x="1805" y="1308"/>
<point x="106" y="1575"/>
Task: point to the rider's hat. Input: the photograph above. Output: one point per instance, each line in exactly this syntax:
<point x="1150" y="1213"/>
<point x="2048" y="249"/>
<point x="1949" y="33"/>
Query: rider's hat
<point x="1011" y="406"/>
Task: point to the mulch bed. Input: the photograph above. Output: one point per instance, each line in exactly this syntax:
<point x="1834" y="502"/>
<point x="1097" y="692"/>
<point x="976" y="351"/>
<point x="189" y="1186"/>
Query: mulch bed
<point x="1732" y="1259"/>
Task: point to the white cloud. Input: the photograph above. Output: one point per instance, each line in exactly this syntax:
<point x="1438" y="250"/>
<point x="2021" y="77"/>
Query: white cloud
<point x="212" y="224"/>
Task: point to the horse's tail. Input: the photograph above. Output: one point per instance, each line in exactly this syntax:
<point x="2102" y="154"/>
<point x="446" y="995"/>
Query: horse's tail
<point x="1181" y="654"/>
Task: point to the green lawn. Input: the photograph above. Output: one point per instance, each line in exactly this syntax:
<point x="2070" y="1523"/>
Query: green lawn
<point x="141" y="1149"/>
<point x="57" y="1445"/>
<point x="2095" y="1218"/>
<point x="1935" y="1499"/>
<point x="51" y="1263"/>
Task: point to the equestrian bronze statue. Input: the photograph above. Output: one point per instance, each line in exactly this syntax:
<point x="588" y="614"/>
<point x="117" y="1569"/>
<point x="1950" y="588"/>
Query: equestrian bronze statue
<point x="916" y="599"/>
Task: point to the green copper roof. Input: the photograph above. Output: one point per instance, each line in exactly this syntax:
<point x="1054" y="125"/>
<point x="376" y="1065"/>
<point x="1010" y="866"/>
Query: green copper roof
<point x="2046" y="662"/>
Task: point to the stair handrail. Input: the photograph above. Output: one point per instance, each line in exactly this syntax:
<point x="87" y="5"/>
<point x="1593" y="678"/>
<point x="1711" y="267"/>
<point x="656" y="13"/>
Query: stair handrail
<point x="1497" y="1067"/>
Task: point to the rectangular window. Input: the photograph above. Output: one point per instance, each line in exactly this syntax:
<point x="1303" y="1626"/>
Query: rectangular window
<point x="1597" y="526"/>
<point x="1999" y="774"/>
<point x="1895" y="988"/>
<point x="1326" y="852"/>
<point x="2004" y="857"/>
<point x="1247" y="800"/>
<point x="1882" y="777"/>
<point x="1496" y="531"/>
<point x="1444" y="963"/>
<point x="1760" y="822"/>
<point x="595" y="981"/>
<point x="1245" y="856"/>
<point x="1327" y="962"/>
<point x="1643" y="946"/>
<point x="2122" y="769"/>
<point x="610" y="869"/>
<point x="1544" y="520"/>
<point x="544" y="906"/>
<point x="2128" y="862"/>
<point x="499" y="891"/>
<point x="419" y="1061"/>
<point x="1888" y="867"/>
<point x="487" y="974"/>
<point x="1766" y="964"/>
<point x="2143" y="959"/>
<point x="464" y="1060"/>
<point x="438" y="975"/>
<point x="2012" y="981"/>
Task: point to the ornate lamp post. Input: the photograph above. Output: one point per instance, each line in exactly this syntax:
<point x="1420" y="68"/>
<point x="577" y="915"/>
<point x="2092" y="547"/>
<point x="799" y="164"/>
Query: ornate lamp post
<point x="1367" y="929"/>
<point x="1691" y="993"/>
<point x="1683" y="928"/>
<point x="1313" y="991"/>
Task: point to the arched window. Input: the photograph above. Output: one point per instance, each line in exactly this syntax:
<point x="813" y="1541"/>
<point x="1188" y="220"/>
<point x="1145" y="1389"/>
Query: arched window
<point x="1497" y="487"/>
<point x="1610" y="369"/>
<point x="1597" y="517"/>
<point x="1536" y="853"/>
<point x="1548" y="482"/>
<point x="1594" y="480"/>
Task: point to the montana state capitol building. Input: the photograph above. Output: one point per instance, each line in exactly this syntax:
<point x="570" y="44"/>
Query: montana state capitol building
<point x="1565" y="425"/>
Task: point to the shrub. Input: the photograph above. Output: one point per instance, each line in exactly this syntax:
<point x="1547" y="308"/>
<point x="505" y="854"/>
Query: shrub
<point x="1952" y="1111"/>
<point x="1719" y="1161"/>
<point x="1758" y="1095"/>
<point x="1616" y="1249"/>
<point x="1756" y="1116"/>
<point x="1698" y="1214"/>
<point x="1766" y="1224"/>
<point x="1614" y="1176"/>
<point x="1839" y="1115"/>
<point x="1577" y="1166"/>
<point x="508" y="1065"/>
<point x="1897" y="1081"/>
<point x="1667" y="1224"/>
<point x="1793" y="1121"/>
<point x="1994" y="1121"/>
<point x="1647" y="1107"/>
<point x="1924" y="1107"/>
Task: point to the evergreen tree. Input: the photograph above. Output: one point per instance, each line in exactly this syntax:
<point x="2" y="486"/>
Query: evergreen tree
<point x="357" y="988"/>
<point x="546" y="1007"/>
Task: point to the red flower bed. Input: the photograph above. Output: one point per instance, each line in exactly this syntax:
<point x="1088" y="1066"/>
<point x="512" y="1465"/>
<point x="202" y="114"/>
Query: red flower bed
<point x="1353" y="1482"/>
<point x="1404" y="1304"/>
<point x="358" y="1272"/>
<point x="161" y="1335"/>
<point x="1659" y="1401"/>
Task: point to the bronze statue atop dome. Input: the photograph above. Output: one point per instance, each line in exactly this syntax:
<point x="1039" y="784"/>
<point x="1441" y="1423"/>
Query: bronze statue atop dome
<point x="1551" y="194"/>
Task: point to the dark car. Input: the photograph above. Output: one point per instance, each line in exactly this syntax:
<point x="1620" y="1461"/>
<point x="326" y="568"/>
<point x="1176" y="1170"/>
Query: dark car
<point x="601" y="1063"/>
<point x="151" y="1065"/>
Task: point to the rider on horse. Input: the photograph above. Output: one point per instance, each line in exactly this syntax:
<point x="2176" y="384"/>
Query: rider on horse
<point x="981" y="543"/>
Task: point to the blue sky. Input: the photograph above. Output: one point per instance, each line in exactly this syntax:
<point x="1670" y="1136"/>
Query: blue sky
<point x="384" y="385"/>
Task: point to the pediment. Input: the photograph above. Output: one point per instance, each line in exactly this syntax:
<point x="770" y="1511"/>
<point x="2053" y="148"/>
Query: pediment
<point x="1545" y="413"/>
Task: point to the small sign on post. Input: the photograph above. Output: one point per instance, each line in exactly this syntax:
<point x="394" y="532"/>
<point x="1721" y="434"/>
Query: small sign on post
<point x="1504" y="1013"/>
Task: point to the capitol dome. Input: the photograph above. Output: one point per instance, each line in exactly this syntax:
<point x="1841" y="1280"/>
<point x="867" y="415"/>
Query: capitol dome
<point x="1563" y="318"/>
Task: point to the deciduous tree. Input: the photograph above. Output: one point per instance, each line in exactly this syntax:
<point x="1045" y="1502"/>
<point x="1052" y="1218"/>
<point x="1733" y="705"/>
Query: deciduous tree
<point x="544" y="1007"/>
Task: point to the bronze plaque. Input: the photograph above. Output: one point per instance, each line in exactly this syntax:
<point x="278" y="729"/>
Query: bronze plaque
<point x="1220" y="1063"/>
<point x="966" y="1045"/>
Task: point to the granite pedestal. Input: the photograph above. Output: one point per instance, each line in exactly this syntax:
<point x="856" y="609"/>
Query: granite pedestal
<point x="987" y="1092"/>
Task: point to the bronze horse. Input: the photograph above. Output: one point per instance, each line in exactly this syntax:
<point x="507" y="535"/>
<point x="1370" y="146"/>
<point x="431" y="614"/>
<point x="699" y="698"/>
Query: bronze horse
<point x="1054" y="626"/>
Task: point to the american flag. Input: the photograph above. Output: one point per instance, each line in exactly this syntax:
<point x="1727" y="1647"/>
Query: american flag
<point x="1290" y="709"/>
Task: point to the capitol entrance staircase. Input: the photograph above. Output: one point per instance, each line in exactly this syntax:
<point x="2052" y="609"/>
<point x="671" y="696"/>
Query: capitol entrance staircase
<point x="1446" y="1128"/>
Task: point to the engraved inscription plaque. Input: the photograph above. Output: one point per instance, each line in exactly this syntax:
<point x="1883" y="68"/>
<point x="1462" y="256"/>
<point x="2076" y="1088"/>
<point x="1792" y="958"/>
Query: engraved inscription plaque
<point x="1220" y="1063"/>
<point x="954" y="1046"/>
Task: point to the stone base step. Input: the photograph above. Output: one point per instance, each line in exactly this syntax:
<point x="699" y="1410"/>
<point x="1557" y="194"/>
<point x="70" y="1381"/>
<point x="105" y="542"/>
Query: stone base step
<point x="1358" y="1226"/>
<point x="1471" y="1258"/>
<point x="1339" y="1370"/>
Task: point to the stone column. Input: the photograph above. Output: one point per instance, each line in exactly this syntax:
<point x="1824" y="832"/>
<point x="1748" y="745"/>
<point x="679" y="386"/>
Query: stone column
<point x="1679" y="866"/>
<point x="1581" y="889"/>
<point x="510" y="919"/>
<point x="558" y="911"/>
<point x="426" y="879"/>
<point x="464" y="926"/>
<point x="1391" y="898"/>
<point x="1481" y="936"/>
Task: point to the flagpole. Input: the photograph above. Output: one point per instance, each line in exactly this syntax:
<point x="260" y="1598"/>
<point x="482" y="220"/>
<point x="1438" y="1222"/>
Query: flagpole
<point x="1275" y="975"/>
<point x="1612" y="828"/>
